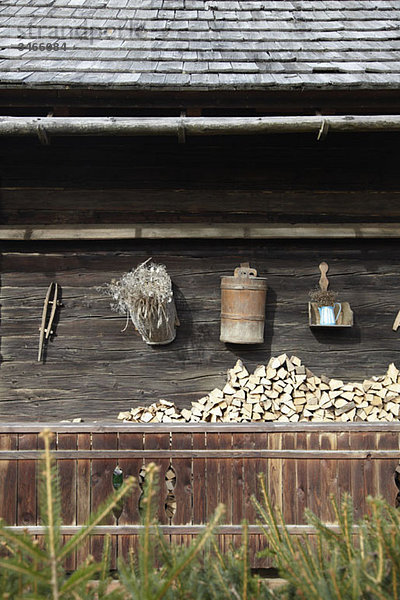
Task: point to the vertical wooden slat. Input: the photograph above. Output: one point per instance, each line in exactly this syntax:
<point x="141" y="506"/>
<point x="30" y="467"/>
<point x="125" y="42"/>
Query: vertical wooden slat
<point x="102" y="471"/>
<point x="260" y="467"/>
<point x="130" y="513"/>
<point x="8" y="481"/>
<point x="200" y="491"/>
<point x="361" y="472"/>
<point x="315" y="475"/>
<point x="343" y="465"/>
<point x="251" y="442"/>
<point x="183" y="488"/>
<point x="83" y="493"/>
<point x="225" y="487"/>
<point x="26" y="495"/>
<point x="329" y="483"/>
<point x="301" y="479"/>
<point x="387" y="440"/>
<point x="238" y="505"/>
<point x="39" y="465"/>
<point x="159" y="441"/>
<point x="289" y="480"/>
<point x="67" y="478"/>
<point x="275" y="471"/>
<point x="213" y="482"/>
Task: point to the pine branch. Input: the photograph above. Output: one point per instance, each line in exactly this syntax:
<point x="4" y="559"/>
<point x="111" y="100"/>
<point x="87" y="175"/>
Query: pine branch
<point x="192" y="552"/>
<point x="23" y="542"/>
<point x="50" y="514"/>
<point x="95" y="519"/>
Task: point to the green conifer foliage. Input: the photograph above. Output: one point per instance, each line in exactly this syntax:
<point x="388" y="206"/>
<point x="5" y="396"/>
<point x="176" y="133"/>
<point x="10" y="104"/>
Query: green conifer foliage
<point x="349" y="562"/>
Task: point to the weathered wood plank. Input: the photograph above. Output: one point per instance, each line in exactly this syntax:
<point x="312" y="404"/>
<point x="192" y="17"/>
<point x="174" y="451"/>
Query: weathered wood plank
<point x="211" y="453"/>
<point x="54" y="205"/>
<point x="8" y="481"/>
<point x="343" y="466"/>
<point x="83" y="493"/>
<point x="156" y="441"/>
<point x="113" y="231"/>
<point x="226" y="486"/>
<point x="212" y="474"/>
<point x="183" y="488"/>
<point x="329" y="482"/>
<point x="386" y="469"/>
<point x="199" y="480"/>
<point x="128" y="544"/>
<point x="68" y="488"/>
<point x="238" y="500"/>
<point x="122" y="427"/>
<point x="102" y="471"/>
<point x="301" y="496"/>
<point x="26" y="491"/>
<point x="314" y="475"/>
<point x="362" y="473"/>
<point x="289" y="479"/>
<point x="275" y="488"/>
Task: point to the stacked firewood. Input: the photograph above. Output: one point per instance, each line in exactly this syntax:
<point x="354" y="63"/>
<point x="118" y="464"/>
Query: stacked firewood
<point x="284" y="390"/>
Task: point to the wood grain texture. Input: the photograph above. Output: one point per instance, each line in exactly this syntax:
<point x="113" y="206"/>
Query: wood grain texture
<point x="159" y="441"/>
<point x="26" y="486"/>
<point x="68" y="488"/>
<point x="183" y="489"/>
<point x="8" y="480"/>
<point x="386" y="469"/>
<point x="199" y="481"/>
<point x="127" y="544"/>
<point x="224" y="470"/>
<point x="301" y="478"/>
<point x="83" y="492"/>
<point x="102" y="471"/>
<point x="113" y="371"/>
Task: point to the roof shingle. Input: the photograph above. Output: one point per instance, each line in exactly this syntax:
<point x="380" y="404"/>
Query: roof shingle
<point x="201" y="43"/>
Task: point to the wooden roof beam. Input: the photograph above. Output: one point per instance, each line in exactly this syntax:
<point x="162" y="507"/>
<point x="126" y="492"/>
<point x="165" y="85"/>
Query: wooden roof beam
<point x="196" y="126"/>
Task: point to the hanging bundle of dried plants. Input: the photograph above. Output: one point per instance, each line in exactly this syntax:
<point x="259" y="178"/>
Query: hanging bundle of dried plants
<point x="145" y="296"/>
<point x="323" y="297"/>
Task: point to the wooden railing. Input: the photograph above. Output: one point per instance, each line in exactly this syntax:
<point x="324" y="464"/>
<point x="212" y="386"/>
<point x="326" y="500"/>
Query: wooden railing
<point x="302" y="463"/>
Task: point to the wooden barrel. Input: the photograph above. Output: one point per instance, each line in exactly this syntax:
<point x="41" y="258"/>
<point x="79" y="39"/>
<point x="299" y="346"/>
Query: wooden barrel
<point x="243" y="306"/>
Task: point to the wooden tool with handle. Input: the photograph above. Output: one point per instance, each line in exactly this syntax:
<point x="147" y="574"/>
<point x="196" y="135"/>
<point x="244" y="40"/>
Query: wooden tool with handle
<point x="396" y="322"/>
<point x="45" y="328"/>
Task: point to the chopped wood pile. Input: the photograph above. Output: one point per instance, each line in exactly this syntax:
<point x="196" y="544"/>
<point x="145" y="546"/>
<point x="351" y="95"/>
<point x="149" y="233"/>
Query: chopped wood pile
<point x="284" y="390"/>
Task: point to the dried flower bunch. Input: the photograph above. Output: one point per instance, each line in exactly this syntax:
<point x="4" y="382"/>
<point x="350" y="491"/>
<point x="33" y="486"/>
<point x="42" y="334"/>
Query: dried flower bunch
<point x="143" y="295"/>
<point x="323" y="298"/>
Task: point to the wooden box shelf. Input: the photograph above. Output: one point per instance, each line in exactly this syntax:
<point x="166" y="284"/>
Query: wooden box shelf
<point x="345" y="318"/>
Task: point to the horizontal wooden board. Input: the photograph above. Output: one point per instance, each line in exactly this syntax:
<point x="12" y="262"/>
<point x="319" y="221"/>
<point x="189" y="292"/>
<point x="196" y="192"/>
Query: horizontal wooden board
<point x="192" y="231"/>
<point x="212" y="453"/>
<point x="251" y="427"/>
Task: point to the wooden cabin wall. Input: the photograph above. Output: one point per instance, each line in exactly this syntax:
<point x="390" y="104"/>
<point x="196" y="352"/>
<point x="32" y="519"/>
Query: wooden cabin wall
<point x="281" y="178"/>
<point x="91" y="368"/>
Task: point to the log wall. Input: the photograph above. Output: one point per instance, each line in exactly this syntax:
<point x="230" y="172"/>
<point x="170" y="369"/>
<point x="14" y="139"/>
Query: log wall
<point x="301" y="466"/>
<point x="93" y="370"/>
<point x="263" y="179"/>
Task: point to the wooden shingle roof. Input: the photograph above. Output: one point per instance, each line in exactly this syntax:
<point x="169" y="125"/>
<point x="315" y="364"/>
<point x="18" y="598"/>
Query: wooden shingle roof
<point x="200" y="44"/>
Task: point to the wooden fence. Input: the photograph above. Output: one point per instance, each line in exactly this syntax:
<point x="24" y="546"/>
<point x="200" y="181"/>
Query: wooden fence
<point x="302" y="463"/>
